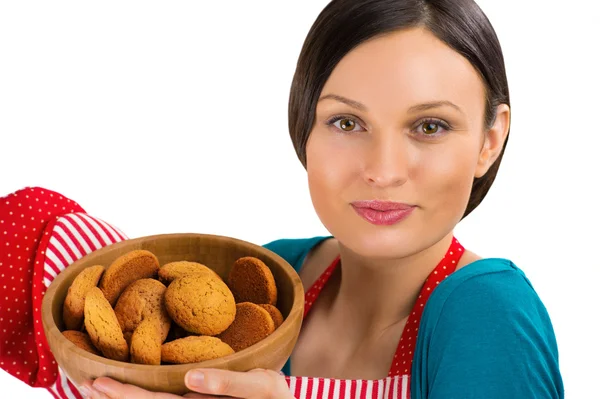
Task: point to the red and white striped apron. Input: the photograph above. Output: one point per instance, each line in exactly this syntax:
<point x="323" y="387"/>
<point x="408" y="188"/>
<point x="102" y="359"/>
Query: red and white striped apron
<point x="397" y="384"/>
<point x="72" y="236"/>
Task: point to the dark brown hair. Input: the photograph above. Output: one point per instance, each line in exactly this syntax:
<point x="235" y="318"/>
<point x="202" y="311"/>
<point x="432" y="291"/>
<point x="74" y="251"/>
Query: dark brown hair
<point x="344" y="24"/>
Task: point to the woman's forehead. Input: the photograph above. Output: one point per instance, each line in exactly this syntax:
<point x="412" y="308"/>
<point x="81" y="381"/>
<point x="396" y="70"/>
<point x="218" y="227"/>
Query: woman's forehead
<point x="405" y="68"/>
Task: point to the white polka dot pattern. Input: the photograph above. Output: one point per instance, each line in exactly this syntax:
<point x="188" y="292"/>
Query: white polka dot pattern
<point x="23" y="217"/>
<point x="64" y="234"/>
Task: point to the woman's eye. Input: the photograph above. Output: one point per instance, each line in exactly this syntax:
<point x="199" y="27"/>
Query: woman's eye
<point x="430" y="128"/>
<point x="433" y="128"/>
<point x="345" y="124"/>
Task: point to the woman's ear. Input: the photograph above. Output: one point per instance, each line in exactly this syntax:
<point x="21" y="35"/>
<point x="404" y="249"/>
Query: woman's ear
<point x="494" y="140"/>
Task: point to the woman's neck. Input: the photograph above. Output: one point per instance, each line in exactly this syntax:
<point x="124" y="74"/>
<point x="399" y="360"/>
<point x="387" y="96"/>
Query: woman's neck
<point x="375" y="295"/>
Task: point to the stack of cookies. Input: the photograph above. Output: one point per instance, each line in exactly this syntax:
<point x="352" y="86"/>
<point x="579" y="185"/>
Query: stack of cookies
<point x="182" y="312"/>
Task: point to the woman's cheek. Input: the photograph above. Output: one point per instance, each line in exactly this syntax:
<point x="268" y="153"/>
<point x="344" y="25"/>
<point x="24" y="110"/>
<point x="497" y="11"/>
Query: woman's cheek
<point x="446" y="180"/>
<point x="332" y="168"/>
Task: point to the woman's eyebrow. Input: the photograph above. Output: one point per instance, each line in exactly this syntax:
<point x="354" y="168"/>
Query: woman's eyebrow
<point x="347" y="101"/>
<point x="415" y="108"/>
<point x="434" y="104"/>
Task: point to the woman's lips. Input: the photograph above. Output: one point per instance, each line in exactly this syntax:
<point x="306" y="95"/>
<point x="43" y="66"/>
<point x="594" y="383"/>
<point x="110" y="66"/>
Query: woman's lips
<point x="382" y="212"/>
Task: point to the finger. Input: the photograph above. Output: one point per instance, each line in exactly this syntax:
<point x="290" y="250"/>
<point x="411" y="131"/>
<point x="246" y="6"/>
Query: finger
<point x="98" y="395"/>
<point x="116" y="390"/>
<point x="255" y="384"/>
<point x="194" y="395"/>
<point x="88" y="392"/>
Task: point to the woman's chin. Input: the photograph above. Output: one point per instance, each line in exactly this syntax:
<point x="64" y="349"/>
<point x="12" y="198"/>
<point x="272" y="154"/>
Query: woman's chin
<point x="381" y="243"/>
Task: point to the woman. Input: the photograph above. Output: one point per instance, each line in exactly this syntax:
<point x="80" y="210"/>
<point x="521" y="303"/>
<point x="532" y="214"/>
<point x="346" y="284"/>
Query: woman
<point x="399" y="111"/>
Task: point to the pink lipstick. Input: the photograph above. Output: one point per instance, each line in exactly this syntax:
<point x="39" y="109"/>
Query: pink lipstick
<point x="382" y="212"/>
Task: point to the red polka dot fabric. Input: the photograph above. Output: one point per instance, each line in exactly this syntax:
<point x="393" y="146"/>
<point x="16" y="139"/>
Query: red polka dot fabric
<point x="41" y="233"/>
<point x="403" y="357"/>
<point x="23" y="217"/>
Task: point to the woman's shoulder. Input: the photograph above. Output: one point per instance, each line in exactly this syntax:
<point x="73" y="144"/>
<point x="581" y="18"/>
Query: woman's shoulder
<point x="491" y="295"/>
<point x="488" y="318"/>
<point x="495" y="282"/>
<point x="494" y="276"/>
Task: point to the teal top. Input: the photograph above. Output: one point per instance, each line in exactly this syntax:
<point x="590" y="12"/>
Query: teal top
<point x="484" y="333"/>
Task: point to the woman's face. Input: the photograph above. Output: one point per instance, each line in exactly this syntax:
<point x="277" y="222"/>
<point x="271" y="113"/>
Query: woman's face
<point x="400" y="119"/>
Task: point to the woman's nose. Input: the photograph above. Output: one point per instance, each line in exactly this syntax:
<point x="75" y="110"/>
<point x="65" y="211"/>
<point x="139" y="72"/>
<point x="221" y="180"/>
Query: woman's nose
<point x="386" y="161"/>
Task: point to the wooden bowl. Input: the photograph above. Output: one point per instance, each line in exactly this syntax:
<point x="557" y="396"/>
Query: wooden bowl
<point x="218" y="253"/>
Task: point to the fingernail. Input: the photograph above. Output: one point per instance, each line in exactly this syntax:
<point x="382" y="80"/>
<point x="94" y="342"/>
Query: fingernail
<point x="85" y="391"/>
<point x="196" y="378"/>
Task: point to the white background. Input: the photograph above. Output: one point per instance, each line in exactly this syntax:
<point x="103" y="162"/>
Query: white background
<point x="167" y="117"/>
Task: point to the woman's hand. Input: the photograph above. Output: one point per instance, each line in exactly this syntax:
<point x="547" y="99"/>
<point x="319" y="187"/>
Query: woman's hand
<point x="208" y="383"/>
